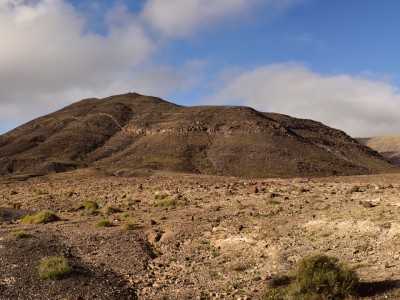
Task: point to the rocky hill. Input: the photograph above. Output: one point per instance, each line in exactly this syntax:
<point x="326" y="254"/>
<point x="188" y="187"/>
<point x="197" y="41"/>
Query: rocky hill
<point x="388" y="146"/>
<point x="130" y="133"/>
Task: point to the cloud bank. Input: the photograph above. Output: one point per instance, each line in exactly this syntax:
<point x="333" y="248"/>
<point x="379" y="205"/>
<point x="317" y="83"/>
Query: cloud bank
<point x="46" y="53"/>
<point x="51" y="53"/>
<point x="182" y="18"/>
<point x="359" y="106"/>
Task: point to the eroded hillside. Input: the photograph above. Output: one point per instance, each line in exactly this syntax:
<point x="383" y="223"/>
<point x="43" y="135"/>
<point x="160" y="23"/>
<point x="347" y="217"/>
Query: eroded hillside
<point x="130" y="134"/>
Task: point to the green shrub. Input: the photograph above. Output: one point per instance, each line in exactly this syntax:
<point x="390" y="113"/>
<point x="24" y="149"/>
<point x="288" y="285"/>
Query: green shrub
<point x="111" y="210"/>
<point x="318" y="277"/>
<point x="170" y="201"/>
<point x="89" y="205"/>
<point x="239" y="267"/>
<point x="71" y="209"/>
<point x="126" y="214"/>
<point x="274" y="202"/>
<point x="18" y="234"/>
<point x="104" y="223"/>
<point x="40" y="192"/>
<point x="323" y="275"/>
<point x="160" y="196"/>
<point x="54" y="268"/>
<point x="131" y="226"/>
<point x="41" y="217"/>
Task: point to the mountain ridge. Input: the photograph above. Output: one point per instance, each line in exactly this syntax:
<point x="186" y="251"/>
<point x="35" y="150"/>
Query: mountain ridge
<point x="124" y="133"/>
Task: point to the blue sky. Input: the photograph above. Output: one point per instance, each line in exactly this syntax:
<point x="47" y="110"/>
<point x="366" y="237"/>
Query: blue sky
<point x="332" y="61"/>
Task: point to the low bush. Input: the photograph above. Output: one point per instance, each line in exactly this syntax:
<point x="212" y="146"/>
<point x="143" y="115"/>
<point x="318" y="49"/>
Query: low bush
<point x="89" y="205"/>
<point x="104" y="223"/>
<point x="170" y="201"/>
<point x="18" y="234"/>
<point x="323" y="275"/>
<point x="54" y="268"/>
<point x="132" y="226"/>
<point x="40" y="192"/>
<point x="41" y="217"/>
<point x="160" y="196"/>
<point x="111" y="210"/>
<point x="318" y="277"/>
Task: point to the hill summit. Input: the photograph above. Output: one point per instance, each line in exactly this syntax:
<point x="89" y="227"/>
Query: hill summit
<point x="129" y="133"/>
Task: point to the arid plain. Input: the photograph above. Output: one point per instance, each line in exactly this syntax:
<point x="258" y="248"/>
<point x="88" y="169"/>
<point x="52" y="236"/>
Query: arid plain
<point x="177" y="236"/>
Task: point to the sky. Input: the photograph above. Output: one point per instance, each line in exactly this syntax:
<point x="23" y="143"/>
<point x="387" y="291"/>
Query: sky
<point x="333" y="61"/>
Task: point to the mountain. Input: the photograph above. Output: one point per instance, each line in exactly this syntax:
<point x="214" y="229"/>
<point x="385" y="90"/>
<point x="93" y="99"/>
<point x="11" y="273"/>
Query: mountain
<point x="129" y="133"/>
<point x="388" y="146"/>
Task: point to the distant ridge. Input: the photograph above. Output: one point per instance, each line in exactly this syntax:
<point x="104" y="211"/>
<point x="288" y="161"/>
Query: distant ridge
<point x="127" y="133"/>
<point x="388" y="146"/>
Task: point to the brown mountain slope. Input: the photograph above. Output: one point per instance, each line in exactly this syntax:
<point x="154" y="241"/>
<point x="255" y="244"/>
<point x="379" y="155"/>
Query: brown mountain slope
<point x="125" y="133"/>
<point x="388" y="146"/>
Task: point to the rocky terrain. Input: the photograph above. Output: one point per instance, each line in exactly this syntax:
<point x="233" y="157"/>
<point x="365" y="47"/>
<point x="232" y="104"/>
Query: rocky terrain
<point x="388" y="146"/>
<point x="131" y="135"/>
<point x="177" y="236"/>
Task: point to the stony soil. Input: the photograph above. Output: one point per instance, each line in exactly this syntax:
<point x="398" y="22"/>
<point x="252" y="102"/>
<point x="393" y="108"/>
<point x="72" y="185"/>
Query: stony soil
<point x="197" y="237"/>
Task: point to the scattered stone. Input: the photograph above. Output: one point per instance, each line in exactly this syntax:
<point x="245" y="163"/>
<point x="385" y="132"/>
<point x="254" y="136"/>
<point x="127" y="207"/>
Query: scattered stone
<point x="367" y="204"/>
<point x="353" y="189"/>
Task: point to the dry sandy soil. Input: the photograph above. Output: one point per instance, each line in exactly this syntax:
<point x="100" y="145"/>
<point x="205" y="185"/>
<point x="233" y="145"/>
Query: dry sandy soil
<point x="196" y="237"/>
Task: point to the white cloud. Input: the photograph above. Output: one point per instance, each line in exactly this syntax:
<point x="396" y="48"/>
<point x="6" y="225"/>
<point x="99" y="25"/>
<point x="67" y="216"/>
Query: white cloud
<point x="47" y="51"/>
<point x="181" y="18"/>
<point x="359" y="106"/>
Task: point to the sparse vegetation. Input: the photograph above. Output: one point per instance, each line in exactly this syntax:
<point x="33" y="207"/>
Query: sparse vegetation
<point x="239" y="267"/>
<point x="111" y="210"/>
<point x="54" y="268"/>
<point x="89" y="205"/>
<point x="104" y="223"/>
<point x="160" y="196"/>
<point x="274" y="202"/>
<point x="131" y="226"/>
<point x="18" y="234"/>
<point x="215" y="253"/>
<point x="126" y="214"/>
<point x="171" y="201"/>
<point x="40" y="192"/>
<point x="41" y="217"/>
<point x="213" y="274"/>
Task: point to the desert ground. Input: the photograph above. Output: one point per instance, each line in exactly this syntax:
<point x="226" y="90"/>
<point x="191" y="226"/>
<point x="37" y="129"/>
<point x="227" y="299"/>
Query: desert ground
<point x="177" y="236"/>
